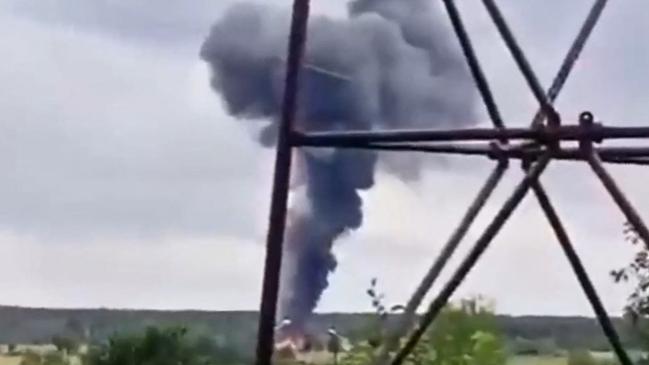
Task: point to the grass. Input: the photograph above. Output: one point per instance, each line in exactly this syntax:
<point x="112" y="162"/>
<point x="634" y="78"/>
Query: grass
<point x="10" y="360"/>
<point x="537" y="360"/>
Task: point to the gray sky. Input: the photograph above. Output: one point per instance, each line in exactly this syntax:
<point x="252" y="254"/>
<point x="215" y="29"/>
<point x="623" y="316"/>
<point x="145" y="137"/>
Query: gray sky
<point x="126" y="185"/>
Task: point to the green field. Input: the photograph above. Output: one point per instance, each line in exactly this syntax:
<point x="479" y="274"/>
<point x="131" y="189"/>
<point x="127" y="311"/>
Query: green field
<point x="537" y="360"/>
<point x="10" y="360"/>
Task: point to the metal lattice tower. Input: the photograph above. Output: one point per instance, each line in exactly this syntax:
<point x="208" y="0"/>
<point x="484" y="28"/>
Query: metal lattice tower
<point x="535" y="147"/>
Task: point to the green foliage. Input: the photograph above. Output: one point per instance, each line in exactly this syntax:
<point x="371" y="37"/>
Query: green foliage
<point x="581" y="357"/>
<point x="376" y="327"/>
<point x="636" y="272"/>
<point x="464" y="334"/>
<point x="361" y="354"/>
<point x="487" y="349"/>
<point x="168" y="346"/>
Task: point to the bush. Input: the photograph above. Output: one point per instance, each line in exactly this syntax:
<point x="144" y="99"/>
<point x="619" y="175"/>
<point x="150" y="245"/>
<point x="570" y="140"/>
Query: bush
<point x="465" y="334"/>
<point x="161" y="346"/>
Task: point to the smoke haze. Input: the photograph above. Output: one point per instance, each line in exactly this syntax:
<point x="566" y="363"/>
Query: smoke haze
<point x="390" y="64"/>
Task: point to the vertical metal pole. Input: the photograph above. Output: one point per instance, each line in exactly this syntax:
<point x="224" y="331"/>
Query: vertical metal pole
<point x="279" y="199"/>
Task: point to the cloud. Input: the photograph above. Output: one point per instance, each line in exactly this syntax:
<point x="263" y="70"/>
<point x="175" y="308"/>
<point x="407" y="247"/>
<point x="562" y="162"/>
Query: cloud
<point x="119" y="165"/>
<point x="101" y="138"/>
<point x="172" y="273"/>
<point x="181" y="24"/>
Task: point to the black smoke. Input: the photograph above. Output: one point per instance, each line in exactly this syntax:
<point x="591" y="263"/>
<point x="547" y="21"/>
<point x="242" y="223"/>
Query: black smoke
<point x="389" y="64"/>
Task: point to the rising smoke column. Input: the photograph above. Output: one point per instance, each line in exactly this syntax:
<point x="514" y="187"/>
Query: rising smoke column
<point x="400" y="69"/>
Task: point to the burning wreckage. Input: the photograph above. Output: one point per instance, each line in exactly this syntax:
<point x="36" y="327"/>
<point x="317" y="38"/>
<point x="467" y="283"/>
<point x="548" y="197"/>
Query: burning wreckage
<point x="296" y="343"/>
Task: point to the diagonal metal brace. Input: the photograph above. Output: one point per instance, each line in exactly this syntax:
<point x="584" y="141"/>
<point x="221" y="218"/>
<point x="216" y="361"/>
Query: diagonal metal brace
<point x="474" y="255"/>
<point x="586" y="120"/>
<point x="407" y="319"/>
<point x="539" y="191"/>
<point x="581" y="274"/>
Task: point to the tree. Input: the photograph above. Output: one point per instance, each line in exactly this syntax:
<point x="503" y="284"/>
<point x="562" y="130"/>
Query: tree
<point x="378" y="326"/>
<point x="637" y="272"/>
<point x="156" y="346"/>
<point x="464" y="334"/>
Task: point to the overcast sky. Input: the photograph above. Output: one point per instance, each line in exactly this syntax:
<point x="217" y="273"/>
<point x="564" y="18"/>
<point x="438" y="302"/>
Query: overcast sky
<point x="125" y="184"/>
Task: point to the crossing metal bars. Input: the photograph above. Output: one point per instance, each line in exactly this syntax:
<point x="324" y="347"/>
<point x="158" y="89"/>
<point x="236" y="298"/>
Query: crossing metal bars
<point x="535" y="146"/>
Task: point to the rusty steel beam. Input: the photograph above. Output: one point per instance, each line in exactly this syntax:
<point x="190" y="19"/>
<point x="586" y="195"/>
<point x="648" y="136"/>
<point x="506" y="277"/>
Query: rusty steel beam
<point x="281" y="179"/>
<point x="627" y="161"/>
<point x="360" y="139"/>
<point x="518" y="151"/>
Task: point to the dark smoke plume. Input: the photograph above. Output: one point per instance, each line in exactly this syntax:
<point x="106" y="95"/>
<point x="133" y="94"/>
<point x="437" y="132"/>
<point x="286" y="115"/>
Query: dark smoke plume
<point x="390" y="64"/>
